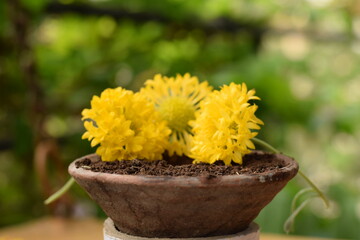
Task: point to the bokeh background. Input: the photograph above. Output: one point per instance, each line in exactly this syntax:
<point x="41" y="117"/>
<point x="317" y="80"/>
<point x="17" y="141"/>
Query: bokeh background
<point x="302" y="57"/>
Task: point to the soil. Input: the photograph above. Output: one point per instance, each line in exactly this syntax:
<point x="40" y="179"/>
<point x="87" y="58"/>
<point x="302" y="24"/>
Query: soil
<point x="253" y="163"/>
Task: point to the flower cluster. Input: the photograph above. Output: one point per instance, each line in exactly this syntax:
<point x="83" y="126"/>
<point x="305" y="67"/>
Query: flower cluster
<point x="125" y="125"/>
<point x="224" y="124"/>
<point x="179" y="115"/>
<point x="177" y="100"/>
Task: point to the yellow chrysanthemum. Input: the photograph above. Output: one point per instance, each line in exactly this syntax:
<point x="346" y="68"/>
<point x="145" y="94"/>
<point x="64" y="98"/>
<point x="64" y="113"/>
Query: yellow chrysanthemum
<point x="177" y="100"/>
<point x="224" y="125"/>
<point x="126" y="126"/>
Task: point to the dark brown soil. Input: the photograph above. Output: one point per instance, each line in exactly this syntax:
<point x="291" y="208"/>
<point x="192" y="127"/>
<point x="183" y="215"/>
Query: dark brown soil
<point x="256" y="162"/>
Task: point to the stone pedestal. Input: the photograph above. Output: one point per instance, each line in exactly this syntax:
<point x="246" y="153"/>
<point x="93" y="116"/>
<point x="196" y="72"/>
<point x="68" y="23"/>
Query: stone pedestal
<point x="111" y="233"/>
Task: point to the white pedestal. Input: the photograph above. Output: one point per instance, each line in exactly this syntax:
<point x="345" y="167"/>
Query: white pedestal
<point x="111" y="233"/>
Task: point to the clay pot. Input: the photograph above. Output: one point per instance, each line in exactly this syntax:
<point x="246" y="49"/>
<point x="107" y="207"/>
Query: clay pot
<point x="153" y="206"/>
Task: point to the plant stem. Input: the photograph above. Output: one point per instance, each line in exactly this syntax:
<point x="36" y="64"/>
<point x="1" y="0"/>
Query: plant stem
<point x="316" y="189"/>
<point x="274" y="150"/>
<point x="298" y="195"/>
<point x="290" y="221"/>
<point x="265" y="145"/>
<point x="60" y="192"/>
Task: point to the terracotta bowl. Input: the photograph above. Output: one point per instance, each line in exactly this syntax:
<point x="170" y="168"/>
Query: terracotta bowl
<point x="152" y="206"/>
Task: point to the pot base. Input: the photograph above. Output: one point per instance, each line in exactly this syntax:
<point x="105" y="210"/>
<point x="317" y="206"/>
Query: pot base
<point x="111" y="233"/>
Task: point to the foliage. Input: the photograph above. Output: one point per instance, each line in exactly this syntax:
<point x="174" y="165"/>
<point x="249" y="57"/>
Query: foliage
<point x="300" y="56"/>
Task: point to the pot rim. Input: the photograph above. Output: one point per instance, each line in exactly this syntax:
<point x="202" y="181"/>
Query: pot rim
<point x="287" y="172"/>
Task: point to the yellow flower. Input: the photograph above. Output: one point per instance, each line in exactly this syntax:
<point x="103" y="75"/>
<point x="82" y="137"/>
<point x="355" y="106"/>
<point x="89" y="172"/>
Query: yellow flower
<point x="224" y="125"/>
<point x="177" y="99"/>
<point x="126" y="126"/>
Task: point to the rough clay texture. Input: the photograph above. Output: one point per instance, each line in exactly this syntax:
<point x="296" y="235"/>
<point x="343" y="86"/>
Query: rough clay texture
<point x="183" y="206"/>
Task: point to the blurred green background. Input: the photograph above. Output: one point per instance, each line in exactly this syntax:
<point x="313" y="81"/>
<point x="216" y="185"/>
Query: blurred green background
<point x="302" y="58"/>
